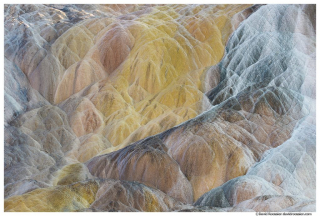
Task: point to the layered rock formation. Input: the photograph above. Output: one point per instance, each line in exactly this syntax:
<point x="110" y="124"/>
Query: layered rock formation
<point x="160" y="108"/>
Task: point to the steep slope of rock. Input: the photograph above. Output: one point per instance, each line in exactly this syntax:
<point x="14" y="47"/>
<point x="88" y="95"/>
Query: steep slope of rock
<point x="252" y="113"/>
<point x="37" y="145"/>
<point x="147" y="162"/>
<point x="135" y="62"/>
<point x="115" y="195"/>
<point x="290" y="166"/>
<point x="19" y="96"/>
<point x="160" y="108"/>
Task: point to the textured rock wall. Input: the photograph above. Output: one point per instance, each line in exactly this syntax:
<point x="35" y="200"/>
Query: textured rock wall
<point x="160" y="108"/>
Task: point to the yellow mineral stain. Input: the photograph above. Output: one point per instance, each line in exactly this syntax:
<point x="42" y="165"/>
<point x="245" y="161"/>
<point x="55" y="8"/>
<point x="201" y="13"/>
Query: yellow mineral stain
<point x="145" y="71"/>
<point x="59" y="198"/>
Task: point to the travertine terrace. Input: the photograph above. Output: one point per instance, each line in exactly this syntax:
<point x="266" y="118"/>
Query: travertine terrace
<point x="160" y="108"/>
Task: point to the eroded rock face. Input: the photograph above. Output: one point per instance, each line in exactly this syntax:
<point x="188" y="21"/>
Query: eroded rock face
<point x="19" y="96"/>
<point x="37" y="145"/>
<point x="146" y="162"/>
<point x="291" y="165"/>
<point x="135" y="59"/>
<point x="60" y="198"/>
<point x="115" y="195"/>
<point x="160" y="108"/>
